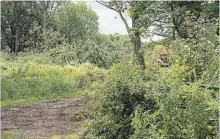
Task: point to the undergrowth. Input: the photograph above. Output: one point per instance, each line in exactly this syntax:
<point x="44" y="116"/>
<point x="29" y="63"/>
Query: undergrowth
<point x="28" y="79"/>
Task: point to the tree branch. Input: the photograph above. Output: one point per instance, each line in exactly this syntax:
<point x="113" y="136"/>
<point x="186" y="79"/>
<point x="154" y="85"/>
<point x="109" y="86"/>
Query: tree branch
<point x="118" y="11"/>
<point x="125" y="22"/>
<point x="159" y="34"/>
<point x="106" y="5"/>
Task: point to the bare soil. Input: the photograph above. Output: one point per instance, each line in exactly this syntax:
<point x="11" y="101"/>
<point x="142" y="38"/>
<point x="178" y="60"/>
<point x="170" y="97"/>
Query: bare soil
<point x="43" y="119"/>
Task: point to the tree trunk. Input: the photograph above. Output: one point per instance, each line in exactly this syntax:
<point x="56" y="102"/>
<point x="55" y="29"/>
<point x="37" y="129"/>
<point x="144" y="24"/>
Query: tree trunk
<point x="44" y="21"/>
<point x="139" y="58"/>
<point x="16" y="49"/>
<point x="136" y="41"/>
<point x="17" y="39"/>
<point x="12" y="40"/>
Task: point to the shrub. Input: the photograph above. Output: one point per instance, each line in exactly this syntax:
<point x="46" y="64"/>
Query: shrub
<point x="137" y="103"/>
<point x="122" y="92"/>
<point x="184" y="111"/>
<point x="101" y="50"/>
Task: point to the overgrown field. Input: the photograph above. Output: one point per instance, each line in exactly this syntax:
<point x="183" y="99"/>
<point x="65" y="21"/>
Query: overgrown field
<point x="27" y="79"/>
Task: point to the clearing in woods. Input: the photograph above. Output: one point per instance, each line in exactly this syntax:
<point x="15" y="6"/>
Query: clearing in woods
<point x="43" y="120"/>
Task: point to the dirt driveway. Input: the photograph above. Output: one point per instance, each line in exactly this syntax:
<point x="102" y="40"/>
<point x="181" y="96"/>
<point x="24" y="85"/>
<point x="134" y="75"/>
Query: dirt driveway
<point x="42" y="120"/>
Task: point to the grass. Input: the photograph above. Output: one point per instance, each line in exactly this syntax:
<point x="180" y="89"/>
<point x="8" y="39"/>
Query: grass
<point x="82" y="125"/>
<point x="31" y="100"/>
<point x="28" y="79"/>
<point x="14" y="135"/>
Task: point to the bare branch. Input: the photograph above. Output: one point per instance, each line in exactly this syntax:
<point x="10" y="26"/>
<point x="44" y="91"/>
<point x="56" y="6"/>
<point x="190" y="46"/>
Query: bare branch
<point x="125" y="22"/>
<point x="118" y="11"/>
<point x="106" y="5"/>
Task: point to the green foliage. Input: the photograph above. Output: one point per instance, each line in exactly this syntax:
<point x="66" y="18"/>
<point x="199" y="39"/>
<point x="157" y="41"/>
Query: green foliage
<point x="145" y="104"/>
<point x="200" y="55"/>
<point x="76" y="21"/>
<point x="185" y="111"/>
<point x="28" y="25"/>
<point x="58" y="52"/>
<point x="122" y="92"/>
<point x="101" y="50"/>
<point x="23" y="79"/>
<point x="14" y="135"/>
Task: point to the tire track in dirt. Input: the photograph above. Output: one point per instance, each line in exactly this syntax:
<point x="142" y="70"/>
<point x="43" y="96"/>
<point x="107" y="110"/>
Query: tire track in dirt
<point x="43" y="119"/>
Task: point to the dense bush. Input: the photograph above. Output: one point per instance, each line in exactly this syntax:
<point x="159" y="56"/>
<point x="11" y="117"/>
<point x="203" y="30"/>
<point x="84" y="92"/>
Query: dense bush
<point x="100" y="49"/>
<point x="200" y="55"/>
<point x="122" y="92"/>
<point x="145" y="104"/>
<point x="184" y="111"/>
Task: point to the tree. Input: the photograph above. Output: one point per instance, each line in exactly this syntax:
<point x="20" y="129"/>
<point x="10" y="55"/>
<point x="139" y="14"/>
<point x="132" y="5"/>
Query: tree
<point x="76" y="21"/>
<point x="134" y="31"/>
<point x="144" y="14"/>
<point x="100" y="49"/>
<point x="182" y="17"/>
<point x="185" y="16"/>
<point x="15" y="21"/>
<point x="24" y="23"/>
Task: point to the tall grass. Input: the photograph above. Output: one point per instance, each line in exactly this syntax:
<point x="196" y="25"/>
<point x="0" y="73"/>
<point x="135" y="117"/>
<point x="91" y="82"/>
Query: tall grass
<point x="30" y="78"/>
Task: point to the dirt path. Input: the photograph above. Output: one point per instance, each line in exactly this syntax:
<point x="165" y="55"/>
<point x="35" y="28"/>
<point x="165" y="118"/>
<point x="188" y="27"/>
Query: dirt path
<point x="43" y="119"/>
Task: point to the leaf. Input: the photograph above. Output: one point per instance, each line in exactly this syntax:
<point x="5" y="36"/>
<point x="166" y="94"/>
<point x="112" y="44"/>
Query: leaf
<point x="209" y="128"/>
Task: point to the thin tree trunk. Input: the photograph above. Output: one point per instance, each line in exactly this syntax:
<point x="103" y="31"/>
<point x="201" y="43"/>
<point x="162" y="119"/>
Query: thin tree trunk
<point x="139" y="58"/>
<point x="17" y="40"/>
<point x="136" y="41"/>
<point x="135" y="38"/>
<point x="44" y="21"/>
<point x="16" y="28"/>
<point x="12" y="40"/>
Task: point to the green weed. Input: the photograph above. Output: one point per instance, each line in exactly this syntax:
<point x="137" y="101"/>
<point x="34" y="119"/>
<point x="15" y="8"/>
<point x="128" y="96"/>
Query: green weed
<point x="25" y="80"/>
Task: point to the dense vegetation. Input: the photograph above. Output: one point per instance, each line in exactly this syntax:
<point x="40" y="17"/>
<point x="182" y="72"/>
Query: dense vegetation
<point x="157" y="89"/>
<point x="25" y="81"/>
